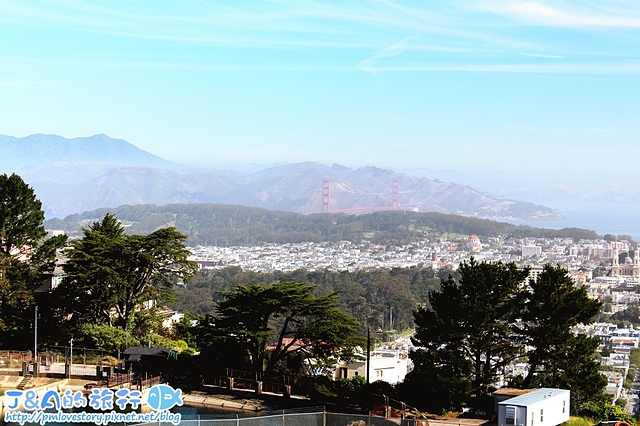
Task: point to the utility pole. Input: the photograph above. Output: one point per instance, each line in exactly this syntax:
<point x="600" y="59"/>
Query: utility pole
<point x="368" y="352"/>
<point x="35" y="336"/>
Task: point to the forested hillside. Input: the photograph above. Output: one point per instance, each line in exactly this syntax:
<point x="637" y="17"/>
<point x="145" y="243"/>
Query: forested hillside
<point x="380" y="298"/>
<point x="230" y="225"/>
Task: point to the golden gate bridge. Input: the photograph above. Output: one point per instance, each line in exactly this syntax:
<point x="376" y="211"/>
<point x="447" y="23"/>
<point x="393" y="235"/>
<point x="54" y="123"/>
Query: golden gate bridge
<point x="383" y="201"/>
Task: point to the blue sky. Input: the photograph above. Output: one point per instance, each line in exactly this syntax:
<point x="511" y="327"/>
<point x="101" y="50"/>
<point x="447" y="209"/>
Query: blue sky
<point x="520" y="86"/>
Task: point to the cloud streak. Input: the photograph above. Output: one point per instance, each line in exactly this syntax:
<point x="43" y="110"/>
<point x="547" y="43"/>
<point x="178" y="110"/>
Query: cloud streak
<point x="461" y="34"/>
<point x="395" y="49"/>
<point x="626" y="15"/>
<point x="577" y="69"/>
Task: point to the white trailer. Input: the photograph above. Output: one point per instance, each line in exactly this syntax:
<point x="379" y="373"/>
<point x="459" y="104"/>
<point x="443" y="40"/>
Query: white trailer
<point x="540" y="407"/>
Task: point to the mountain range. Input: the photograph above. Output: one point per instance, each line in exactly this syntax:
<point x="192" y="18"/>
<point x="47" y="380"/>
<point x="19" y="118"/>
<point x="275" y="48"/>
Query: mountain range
<point x="82" y="174"/>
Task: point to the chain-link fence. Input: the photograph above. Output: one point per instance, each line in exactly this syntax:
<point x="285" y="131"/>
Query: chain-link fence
<point x="296" y="418"/>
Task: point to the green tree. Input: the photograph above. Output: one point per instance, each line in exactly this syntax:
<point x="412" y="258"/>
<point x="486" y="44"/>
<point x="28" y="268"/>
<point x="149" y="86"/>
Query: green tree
<point x="286" y="316"/>
<point x="574" y="366"/>
<point x="629" y="315"/>
<point x="559" y="358"/>
<point x="103" y="337"/>
<point x="21" y="217"/>
<point x="489" y="319"/>
<point x="468" y="333"/>
<point x="602" y="412"/>
<point x="90" y="287"/>
<point x="25" y="254"/>
<point x="111" y="272"/>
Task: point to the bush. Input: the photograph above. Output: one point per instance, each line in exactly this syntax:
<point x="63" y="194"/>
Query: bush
<point x="604" y="412"/>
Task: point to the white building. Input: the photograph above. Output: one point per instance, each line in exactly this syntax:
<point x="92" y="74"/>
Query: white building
<point x="540" y="407"/>
<point x="529" y="251"/>
<point x="615" y="383"/>
<point x="389" y="366"/>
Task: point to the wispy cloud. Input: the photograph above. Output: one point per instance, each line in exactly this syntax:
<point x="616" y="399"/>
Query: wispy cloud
<point x="389" y="34"/>
<point x="587" y="68"/>
<point x="388" y="52"/>
<point x="576" y="14"/>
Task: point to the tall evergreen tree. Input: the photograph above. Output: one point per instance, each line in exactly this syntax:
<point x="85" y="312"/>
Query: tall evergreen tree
<point x="492" y="317"/>
<point x="469" y="329"/>
<point x="111" y="272"/>
<point x="557" y="357"/>
<point x="89" y="290"/>
<point x="25" y="254"/>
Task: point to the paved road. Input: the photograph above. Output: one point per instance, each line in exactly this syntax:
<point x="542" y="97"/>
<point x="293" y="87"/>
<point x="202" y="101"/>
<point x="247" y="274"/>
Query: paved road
<point x="633" y="397"/>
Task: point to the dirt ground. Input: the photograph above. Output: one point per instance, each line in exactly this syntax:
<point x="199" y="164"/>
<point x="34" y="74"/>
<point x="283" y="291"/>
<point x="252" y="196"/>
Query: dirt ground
<point x="9" y="382"/>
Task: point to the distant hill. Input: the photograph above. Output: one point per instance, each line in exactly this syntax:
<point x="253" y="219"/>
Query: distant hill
<point x="83" y="174"/>
<point x="232" y="225"/>
<point x="46" y="150"/>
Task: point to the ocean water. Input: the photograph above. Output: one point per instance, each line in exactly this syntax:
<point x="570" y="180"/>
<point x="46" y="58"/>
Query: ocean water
<point x="611" y="218"/>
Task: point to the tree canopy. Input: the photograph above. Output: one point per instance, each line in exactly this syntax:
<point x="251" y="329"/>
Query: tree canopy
<point x="557" y="357"/>
<point x="109" y="272"/>
<point x="468" y="328"/>
<point x="269" y="325"/>
<point x="380" y="298"/>
<point x="494" y="316"/>
<point x="25" y="254"/>
<point x="233" y="225"/>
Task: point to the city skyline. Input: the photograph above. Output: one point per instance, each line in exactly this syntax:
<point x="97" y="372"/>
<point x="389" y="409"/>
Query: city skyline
<point x="507" y="85"/>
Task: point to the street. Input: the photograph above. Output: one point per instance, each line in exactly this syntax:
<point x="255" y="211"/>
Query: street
<point x="632" y="395"/>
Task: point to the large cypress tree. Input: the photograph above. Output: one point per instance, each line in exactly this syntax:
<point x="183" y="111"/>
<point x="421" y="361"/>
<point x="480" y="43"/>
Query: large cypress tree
<point x="110" y="274"/>
<point x="286" y="314"/>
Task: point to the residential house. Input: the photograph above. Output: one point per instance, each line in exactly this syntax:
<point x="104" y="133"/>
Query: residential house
<point x="540" y="407"/>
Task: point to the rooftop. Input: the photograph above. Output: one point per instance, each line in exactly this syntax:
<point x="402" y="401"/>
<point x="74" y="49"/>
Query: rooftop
<point x="534" y="396"/>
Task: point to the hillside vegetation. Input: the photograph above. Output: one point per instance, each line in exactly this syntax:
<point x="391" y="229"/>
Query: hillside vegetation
<point x="231" y="225"/>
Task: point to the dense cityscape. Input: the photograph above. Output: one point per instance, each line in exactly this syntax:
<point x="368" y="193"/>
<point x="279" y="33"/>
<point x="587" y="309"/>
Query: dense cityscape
<point x="585" y="259"/>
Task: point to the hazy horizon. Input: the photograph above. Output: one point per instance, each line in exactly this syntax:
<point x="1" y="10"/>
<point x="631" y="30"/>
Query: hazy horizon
<point x="605" y="216"/>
